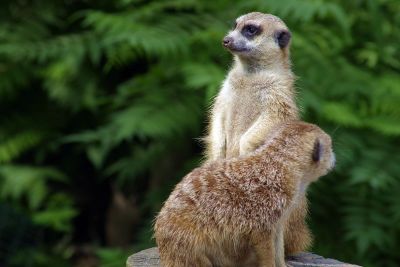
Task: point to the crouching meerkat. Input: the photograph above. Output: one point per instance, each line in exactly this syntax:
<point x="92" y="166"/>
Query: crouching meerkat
<point x="257" y="93"/>
<point x="225" y="212"/>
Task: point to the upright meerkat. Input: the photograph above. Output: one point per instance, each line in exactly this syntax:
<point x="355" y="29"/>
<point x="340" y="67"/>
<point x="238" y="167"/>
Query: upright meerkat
<point x="225" y="212"/>
<point x="257" y="93"/>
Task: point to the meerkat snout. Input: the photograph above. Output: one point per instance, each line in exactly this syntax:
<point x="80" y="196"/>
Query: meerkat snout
<point x="235" y="44"/>
<point x="227" y="41"/>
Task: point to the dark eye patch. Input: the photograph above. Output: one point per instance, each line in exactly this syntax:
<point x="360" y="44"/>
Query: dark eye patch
<point x="251" y="30"/>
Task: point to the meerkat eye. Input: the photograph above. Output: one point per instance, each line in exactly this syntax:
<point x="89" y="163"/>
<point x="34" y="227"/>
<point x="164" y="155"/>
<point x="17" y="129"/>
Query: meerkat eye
<point x="250" y="30"/>
<point x="317" y="151"/>
<point x="282" y="38"/>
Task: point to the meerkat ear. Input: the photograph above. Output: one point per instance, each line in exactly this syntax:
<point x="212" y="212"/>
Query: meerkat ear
<point x="234" y="24"/>
<point x="317" y="151"/>
<point x="282" y="38"/>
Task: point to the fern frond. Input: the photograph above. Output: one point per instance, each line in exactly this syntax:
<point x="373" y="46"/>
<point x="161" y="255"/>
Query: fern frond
<point x="18" y="181"/>
<point x="342" y="114"/>
<point x="15" y="145"/>
<point x="128" y="168"/>
<point x="12" y="78"/>
<point x="58" y="213"/>
<point x="43" y="50"/>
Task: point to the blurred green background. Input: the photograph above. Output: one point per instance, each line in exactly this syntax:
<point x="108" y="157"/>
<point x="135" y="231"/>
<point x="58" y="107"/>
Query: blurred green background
<point x="103" y="103"/>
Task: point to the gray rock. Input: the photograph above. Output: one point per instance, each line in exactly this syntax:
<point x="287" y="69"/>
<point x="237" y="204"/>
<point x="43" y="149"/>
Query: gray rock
<point x="150" y="258"/>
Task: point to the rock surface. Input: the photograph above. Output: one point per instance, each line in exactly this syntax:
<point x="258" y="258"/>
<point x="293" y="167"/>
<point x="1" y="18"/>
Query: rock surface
<point x="150" y="258"/>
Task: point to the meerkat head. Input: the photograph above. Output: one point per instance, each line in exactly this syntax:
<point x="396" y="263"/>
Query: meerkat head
<point x="320" y="158"/>
<point x="305" y="147"/>
<point x="259" y="38"/>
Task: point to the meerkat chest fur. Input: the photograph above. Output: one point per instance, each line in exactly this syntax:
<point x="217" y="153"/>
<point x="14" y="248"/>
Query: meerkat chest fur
<point x="245" y="97"/>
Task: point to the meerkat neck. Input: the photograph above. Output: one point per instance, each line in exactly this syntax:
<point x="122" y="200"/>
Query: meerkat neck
<point x="256" y="65"/>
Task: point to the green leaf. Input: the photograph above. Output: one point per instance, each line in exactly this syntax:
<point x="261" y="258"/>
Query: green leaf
<point x="341" y="114"/>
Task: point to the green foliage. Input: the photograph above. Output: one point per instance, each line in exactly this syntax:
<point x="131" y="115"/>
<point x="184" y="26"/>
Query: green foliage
<point x="112" y="257"/>
<point x="112" y="95"/>
<point x="24" y="181"/>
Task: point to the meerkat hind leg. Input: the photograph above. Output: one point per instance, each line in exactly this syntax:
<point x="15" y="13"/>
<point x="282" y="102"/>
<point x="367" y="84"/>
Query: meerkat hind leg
<point x="265" y="249"/>
<point x="297" y="236"/>
<point x="279" y="246"/>
<point x="190" y="260"/>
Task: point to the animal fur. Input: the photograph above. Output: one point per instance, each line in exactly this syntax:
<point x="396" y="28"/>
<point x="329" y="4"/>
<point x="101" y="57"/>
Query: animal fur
<point x="257" y="94"/>
<point x="225" y="212"/>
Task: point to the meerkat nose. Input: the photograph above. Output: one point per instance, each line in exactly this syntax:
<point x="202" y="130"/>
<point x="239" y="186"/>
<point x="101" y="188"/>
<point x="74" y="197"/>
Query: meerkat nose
<point x="227" y="41"/>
